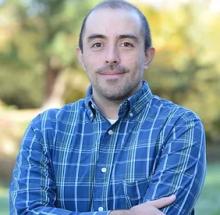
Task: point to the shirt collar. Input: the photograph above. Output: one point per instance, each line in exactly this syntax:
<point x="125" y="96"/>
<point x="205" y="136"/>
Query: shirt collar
<point x="139" y="100"/>
<point x="132" y="106"/>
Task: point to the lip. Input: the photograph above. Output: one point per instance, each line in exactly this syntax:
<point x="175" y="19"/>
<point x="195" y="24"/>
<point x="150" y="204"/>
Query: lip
<point x="111" y="73"/>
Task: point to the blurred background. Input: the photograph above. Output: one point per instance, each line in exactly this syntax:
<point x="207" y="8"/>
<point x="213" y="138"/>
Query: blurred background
<point x="39" y="70"/>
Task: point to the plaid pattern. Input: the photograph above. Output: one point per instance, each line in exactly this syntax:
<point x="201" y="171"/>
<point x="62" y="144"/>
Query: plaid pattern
<point x="73" y="161"/>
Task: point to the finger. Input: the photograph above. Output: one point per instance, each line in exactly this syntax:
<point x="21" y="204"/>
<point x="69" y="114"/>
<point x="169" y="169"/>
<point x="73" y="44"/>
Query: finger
<point x="162" y="202"/>
<point x="145" y="208"/>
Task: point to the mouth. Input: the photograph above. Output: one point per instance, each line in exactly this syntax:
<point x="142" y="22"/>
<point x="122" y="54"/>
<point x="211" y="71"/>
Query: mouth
<point x="111" y="73"/>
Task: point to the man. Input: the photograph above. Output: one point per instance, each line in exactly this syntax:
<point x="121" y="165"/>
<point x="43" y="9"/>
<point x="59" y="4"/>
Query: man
<point x="121" y="149"/>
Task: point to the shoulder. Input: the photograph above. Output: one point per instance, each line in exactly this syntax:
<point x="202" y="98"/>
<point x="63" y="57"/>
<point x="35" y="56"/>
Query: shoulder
<point x="49" y="118"/>
<point x="173" y="112"/>
<point x="179" y="123"/>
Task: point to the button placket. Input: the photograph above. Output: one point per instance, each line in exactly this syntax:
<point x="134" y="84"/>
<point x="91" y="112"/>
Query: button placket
<point x="102" y="170"/>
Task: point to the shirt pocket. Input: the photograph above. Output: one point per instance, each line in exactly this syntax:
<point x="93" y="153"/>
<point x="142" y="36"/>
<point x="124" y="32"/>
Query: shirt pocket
<point x="135" y="191"/>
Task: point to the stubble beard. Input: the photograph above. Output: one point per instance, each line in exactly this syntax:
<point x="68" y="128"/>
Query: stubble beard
<point x="115" y="90"/>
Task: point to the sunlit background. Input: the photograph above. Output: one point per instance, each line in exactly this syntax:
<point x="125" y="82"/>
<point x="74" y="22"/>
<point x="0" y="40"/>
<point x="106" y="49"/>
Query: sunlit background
<point x="39" y="70"/>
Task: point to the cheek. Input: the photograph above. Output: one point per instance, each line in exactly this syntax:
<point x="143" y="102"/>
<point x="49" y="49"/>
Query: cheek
<point x="92" y="62"/>
<point x="88" y="63"/>
<point x="134" y="62"/>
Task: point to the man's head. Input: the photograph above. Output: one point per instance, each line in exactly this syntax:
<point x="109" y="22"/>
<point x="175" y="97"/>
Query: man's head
<point x="114" y="51"/>
<point x="120" y="4"/>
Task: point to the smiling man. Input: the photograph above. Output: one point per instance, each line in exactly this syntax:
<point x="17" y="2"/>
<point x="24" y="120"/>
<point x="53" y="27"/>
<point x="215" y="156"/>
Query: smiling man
<point x="120" y="150"/>
<point x="114" y="57"/>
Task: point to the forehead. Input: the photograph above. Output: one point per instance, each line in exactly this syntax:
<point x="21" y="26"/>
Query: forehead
<point x="112" y="22"/>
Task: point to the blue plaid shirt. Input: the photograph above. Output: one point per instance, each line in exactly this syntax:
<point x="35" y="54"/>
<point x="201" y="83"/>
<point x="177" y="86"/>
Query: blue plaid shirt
<point x="74" y="161"/>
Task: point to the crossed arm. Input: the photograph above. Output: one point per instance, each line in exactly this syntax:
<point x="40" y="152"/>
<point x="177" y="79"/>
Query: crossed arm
<point x="184" y="176"/>
<point x="180" y="170"/>
<point x="147" y="208"/>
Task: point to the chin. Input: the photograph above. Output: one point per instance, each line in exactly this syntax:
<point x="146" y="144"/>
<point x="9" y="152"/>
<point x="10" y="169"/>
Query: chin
<point x="117" y="96"/>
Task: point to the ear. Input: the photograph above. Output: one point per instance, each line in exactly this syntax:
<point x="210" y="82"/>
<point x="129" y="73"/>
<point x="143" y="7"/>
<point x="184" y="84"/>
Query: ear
<point x="80" y="57"/>
<point x="149" y="55"/>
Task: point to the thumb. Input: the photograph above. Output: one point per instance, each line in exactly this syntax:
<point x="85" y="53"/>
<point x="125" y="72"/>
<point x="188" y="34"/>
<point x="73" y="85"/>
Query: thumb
<point x="164" y="201"/>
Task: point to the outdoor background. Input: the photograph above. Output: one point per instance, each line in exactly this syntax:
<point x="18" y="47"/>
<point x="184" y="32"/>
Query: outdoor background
<point x="38" y="70"/>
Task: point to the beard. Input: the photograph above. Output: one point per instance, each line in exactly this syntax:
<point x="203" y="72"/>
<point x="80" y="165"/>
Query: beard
<point x="115" y="89"/>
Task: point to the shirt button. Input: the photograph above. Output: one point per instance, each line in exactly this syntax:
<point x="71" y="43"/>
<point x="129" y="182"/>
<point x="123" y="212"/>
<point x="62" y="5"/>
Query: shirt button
<point x="104" y="170"/>
<point x="131" y="114"/>
<point x="110" y="132"/>
<point x="100" y="209"/>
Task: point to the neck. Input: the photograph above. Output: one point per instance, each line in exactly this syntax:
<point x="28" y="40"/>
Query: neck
<point x="108" y="107"/>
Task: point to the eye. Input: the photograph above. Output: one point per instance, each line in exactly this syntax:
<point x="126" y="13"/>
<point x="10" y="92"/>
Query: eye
<point x="97" y="45"/>
<point x="127" y="44"/>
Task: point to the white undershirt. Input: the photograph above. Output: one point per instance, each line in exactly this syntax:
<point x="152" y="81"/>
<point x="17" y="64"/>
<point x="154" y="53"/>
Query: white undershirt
<point x="112" y="121"/>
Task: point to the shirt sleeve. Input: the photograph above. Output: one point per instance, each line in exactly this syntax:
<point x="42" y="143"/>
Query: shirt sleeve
<point x="32" y="188"/>
<point x="181" y="166"/>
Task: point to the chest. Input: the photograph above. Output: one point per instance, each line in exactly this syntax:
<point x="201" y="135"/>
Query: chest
<point x="123" y="151"/>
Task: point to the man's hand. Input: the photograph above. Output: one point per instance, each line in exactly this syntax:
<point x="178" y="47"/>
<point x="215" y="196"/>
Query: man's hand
<point x="147" y="208"/>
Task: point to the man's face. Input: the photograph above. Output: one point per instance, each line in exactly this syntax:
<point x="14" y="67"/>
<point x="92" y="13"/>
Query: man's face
<point x="113" y="53"/>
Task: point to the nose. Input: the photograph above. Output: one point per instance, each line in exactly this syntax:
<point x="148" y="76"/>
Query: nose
<point x="112" y="56"/>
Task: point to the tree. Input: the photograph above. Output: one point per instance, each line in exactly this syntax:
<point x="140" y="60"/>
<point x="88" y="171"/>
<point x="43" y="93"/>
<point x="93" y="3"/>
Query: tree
<point x="186" y="67"/>
<point x="43" y="44"/>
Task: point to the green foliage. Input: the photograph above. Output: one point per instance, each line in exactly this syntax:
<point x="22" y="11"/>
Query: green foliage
<point x="209" y="201"/>
<point x="20" y="88"/>
<point x="4" y="204"/>
<point x="40" y="38"/>
<point x="186" y="69"/>
<point x="76" y="85"/>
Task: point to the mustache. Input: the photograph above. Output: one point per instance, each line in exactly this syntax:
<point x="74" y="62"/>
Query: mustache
<point x="107" y="68"/>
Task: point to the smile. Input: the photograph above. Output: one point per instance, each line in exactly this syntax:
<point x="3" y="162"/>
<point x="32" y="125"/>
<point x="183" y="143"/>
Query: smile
<point x="111" y="73"/>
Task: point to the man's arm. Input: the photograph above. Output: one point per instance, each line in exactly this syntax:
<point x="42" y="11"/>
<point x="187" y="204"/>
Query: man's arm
<point x="180" y="168"/>
<point x="147" y="208"/>
<point x="33" y="188"/>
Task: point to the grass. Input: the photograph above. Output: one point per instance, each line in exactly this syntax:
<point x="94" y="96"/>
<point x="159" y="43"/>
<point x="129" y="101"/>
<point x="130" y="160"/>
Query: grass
<point x="4" y="200"/>
<point x="208" y="203"/>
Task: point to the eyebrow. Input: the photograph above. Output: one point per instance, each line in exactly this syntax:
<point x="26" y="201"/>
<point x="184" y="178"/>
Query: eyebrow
<point x="128" y="36"/>
<point x="123" y="36"/>
<point x="95" y="36"/>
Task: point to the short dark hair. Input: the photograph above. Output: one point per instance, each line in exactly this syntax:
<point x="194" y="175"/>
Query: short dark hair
<point x="119" y="4"/>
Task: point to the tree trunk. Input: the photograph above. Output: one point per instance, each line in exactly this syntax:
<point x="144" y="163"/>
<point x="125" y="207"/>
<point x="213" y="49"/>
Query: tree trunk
<point x="54" y="85"/>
